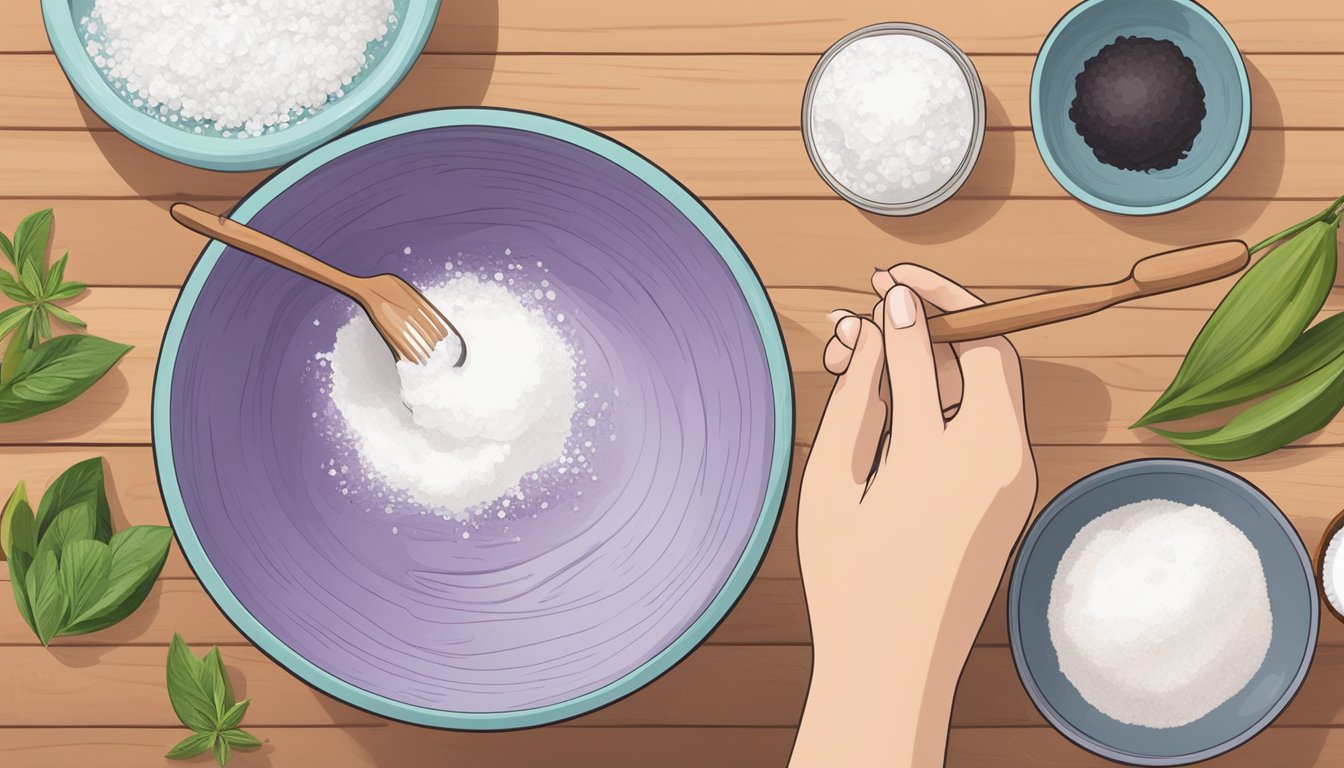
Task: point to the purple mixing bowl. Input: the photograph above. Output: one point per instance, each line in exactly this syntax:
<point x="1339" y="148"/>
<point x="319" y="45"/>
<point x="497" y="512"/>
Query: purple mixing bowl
<point x="542" y="613"/>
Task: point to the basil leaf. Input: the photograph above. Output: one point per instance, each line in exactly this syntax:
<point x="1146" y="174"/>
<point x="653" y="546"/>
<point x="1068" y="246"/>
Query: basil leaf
<point x="55" y="372"/>
<point x="22" y="546"/>
<point x="1298" y="409"/>
<point x="31" y="238"/>
<point x="14" y="289"/>
<point x="1263" y="314"/>
<point x="80" y="483"/>
<point x="67" y="291"/>
<point x="72" y="524"/>
<point x="46" y="599"/>
<point x="234" y="715"/>
<point x="31" y="279"/>
<point x="65" y="316"/>
<point x="84" y="568"/>
<point x="16" y="497"/>
<point x="15" y="349"/>
<point x="13" y="317"/>
<point x="137" y="555"/>
<point x="191" y="703"/>
<point x="222" y="752"/>
<point x="7" y="248"/>
<point x="215" y="680"/>
<point x="192" y="746"/>
<point x="240" y="739"/>
<point x="55" y="275"/>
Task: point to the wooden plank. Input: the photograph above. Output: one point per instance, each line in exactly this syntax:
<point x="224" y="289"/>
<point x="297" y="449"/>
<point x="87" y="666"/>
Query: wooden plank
<point x="1044" y="748"/>
<point x="708" y="91"/>
<point x="485" y="26"/>
<point x="791" y="242"/>
<point x="712" y="163"/>
<point x="1121" y="358"/>
<point x="771" y="612"/>
<point x="400" y="745"/>
<point x="107" y="686"/>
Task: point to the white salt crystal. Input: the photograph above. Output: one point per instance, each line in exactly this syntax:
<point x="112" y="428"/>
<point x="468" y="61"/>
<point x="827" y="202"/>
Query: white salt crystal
<point x="242" y="65"/>
<point x="892" y="117"/>
<point x="1159" y="613"/>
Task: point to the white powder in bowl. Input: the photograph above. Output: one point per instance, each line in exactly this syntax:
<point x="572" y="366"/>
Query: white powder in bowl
<point x="892" y="117"/>
<point x="1332" y="571"/>
<point x="252" y="65"/>
<point x="1159" y="613"/>
<point x="454" y="438"/>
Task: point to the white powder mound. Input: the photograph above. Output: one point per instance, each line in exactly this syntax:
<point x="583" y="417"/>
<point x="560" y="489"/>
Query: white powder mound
<point x="249" y="64"/>
<point x="1159" y="613"/>
<point x="891" y="117"/>
<point x="455" y="438"/>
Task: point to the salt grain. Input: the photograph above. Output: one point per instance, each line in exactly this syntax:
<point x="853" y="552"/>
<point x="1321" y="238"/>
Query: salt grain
<point x="1159" y="613"/>
<point x="892" y="117"/>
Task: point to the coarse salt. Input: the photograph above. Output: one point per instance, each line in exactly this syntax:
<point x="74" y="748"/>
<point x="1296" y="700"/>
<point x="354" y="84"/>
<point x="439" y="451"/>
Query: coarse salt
<point x="1159" y="613"/>
<point x="891" y="117"/>
<point x="245" y="65"/>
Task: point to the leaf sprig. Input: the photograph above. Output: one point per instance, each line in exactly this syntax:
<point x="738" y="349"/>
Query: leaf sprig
<point x="203" y="700"/>
<point x="70" y="574"/>
<point x="39" y="373"/>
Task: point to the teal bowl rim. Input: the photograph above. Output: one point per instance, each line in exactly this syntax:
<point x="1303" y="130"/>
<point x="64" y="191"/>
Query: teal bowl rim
<point x="1060" y="502"/>
<point x="1191" y="197"/>
<point x="255" y="152"/>
<point x="767" y="325"/>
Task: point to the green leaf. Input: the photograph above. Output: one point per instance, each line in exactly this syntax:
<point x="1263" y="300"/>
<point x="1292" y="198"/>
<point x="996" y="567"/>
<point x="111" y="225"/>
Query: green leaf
<point x="16" y="497"/>
<point x="222" y="752"/>
<point x="216" y="681"/>
<point x="71" y="524"/>
<point x="13" y="317"/>
<point x="1294" y="411"/>
<point x="31" y="238"/>
<point x="234" y="715"/>
<point x="64" y="315"/>
<point x="66" y="291"/>
<point x="46" y="599"/>
<point x="191" y="702"/>
<point x="1258" y="320"/>
<point x="137" y="555"/>
<point x="15" y="349"/>
<point x="84" y="568"/>
<point x="82" y="482"/>
<point x="40" y="326"/>
<point x="240" y="739"/>
<point x="14" y="289"/>
<point x="7" y="248"/>
<point x="22" y="546"/>
<point x="193" y="745"/>
<point x="55" y="275"/>
<point x="30" y="277"/>
<point x="55" y="372"/>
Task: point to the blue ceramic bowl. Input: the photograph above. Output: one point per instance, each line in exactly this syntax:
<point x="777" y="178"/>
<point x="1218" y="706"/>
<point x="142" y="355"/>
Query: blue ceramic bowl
<point x="1227" y="96"/>
<point x="1292" y="598"/>
<point x="391" y="60"/>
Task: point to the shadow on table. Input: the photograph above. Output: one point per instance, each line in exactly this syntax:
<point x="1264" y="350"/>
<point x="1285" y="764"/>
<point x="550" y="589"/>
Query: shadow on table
<point x="985" y="192"/>
<point x="463" y="26"/>
<point x="1255" y="181"/>
<point x="1089" y="400"/>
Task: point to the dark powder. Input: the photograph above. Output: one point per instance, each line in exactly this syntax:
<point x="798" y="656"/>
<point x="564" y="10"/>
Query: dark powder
<point x="1139" y="104"/>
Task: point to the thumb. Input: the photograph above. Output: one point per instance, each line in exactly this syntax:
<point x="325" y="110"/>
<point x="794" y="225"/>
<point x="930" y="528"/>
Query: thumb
<point x="916" y="410"/>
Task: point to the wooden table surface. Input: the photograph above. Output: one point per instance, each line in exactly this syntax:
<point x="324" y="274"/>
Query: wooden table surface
<point x="710" y="90"/>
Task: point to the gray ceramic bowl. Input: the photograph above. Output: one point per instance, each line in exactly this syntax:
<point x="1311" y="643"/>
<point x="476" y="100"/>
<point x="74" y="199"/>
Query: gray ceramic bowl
<point x="1292" y="597"/>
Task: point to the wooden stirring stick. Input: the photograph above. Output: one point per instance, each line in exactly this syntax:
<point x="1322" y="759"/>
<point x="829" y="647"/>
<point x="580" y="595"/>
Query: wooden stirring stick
<point x="1160" y="273"/>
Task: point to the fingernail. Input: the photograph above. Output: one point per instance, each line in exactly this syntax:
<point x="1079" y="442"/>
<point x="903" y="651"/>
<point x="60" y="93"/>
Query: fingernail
<point x="901" y="306"/>
<point x="847" y="331"/>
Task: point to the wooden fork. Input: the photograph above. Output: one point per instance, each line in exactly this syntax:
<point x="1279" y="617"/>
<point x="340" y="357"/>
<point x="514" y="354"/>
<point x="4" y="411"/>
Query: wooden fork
<point x="410" y="324"/>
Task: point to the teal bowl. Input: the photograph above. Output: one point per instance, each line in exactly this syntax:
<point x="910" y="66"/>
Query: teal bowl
<point x="1288" y="578"/>
<point x="389" y="63"/>
<point x="1227" y="97"/>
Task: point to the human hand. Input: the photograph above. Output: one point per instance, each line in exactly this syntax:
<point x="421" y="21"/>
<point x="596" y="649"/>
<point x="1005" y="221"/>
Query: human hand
<point x="909" y="509"/>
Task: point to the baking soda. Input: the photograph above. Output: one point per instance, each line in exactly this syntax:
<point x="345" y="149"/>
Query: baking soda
<point x="1159" y="613"/>
<point x="892" y="117"/>
<point x="244" y="66"/>
<point x="448" y="438"/>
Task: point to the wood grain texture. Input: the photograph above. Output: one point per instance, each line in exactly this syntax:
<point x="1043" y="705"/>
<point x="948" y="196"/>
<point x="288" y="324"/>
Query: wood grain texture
<point x="994" y="243"/>
<point x="710" y="91"/>
<point x="713" y="163"/>
<point x="703" y="26"/>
